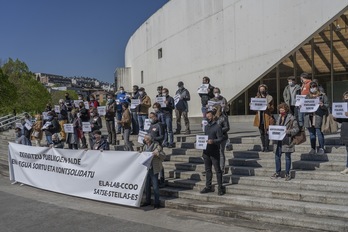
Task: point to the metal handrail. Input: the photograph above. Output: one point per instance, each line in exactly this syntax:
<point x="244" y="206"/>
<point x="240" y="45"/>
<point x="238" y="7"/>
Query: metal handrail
<point x="9" y="122"/>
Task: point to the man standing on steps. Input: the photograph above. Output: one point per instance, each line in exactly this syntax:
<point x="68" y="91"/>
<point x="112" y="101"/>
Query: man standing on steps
<point x="181" y="108"/>
<point x="211" y="154"/>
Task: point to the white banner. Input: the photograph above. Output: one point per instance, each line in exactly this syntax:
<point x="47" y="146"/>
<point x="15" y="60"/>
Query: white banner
<point x="135" y="103"/>
<point x="161" y="101"/>
<point x="257" y="104"/>
<point x="309" y="105"/>
<point x="69" y="128"/>
<point x="299" y="99"/>
<point x="203" y="89"/>
<point x="339" y="109"/>
<point x="110" y="176"/>
<point x="86" y="127"/>
<point x="201" y="142"/>
<point x="276" y="132"/>
<point x="101" y="110"/>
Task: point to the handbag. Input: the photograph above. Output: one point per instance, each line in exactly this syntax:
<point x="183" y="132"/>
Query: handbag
<point x="299" y="138"/>
<point x="329" y="125"/>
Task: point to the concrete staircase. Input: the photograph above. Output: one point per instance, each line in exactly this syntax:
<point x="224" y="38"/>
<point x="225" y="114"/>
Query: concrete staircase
<point x="316" y="199"/>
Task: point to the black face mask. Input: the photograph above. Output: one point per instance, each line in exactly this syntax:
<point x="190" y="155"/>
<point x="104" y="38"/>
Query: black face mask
<point x="346" y="100"/>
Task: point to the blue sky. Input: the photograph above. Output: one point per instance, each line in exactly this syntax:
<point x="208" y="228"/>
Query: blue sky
<point x="71" y="37"/>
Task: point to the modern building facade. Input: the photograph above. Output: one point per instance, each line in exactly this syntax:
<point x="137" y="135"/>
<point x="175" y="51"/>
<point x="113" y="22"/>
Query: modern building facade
<point x="239" y="44"/>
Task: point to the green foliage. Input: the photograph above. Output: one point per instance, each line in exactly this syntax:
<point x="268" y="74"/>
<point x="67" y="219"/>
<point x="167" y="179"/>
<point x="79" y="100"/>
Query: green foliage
<point x="56" y="95"/>
<point x="8" y="94"/>
<point x="32" y="96"/>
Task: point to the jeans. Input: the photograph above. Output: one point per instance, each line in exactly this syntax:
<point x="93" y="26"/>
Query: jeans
<point x="204" y="111"/>
<point x="184" y="114"/>
<point x="49" y="139"/>
<point x="222" y="154"/>
<point x="135" y="125"/>
<point x="110" y="126"/>
<point x="300" y="117"/>
<point x="209" y="161"/>
<point x="141" y="121"/>
<point x="312" y="136"/>
<point x="119" y="117"/>
<point x="152" y="179"/>
<point x="347" y="155"/>
<point x="278" y="156"/>
<point x="127" y="145"/>
<point x="168" y="119"/>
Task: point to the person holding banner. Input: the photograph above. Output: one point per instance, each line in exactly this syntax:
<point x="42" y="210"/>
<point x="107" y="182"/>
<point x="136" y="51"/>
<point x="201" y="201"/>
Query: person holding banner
<point x="99" y="142"/>
<point x="211" y="154"/>
<point x="313" y="121"/>
<point x="289" y="94"/>
<point x="344" y="130"/>
<point x="96" y="124"/>
<point x="156" y="165"/>
<point x="110" y="119"/>
<point x="73" y="138"/>
<point x="168" y="119"/>
<point x="143" y="108"/>
<point x="181" y="108"/>
<point x="206" y="96"/>
<point x="264" y="118"/>
<point x="126" y="122"/>
<point x="285" y="145"/>
<point x="220" y="100"/>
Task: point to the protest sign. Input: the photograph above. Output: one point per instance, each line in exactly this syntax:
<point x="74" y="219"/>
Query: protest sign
<point x="46" y="125"/>
<point x="203" y="89"/>
<point x="82" y="173"/>
<point x="101" y="110"/>
<point x="135" y="103"/>
<point x="201" y="142"/>
<point x="161" y="101"/>
<point x="299" y="99"/>
<point x="276" y="132"/>
<point x="19" y="125"/>
<point x="204" y="123"/>
<point x="45" y="115"/>
<point x="86" y="127"/>
<point x="147" y="124"/>
<point x="86" y="105"/>
<point x="309" y="105"/>
<point x="339" y="109"/>
<point x="176" y="99"/>
<point x="257" y="104"/>
<point x="57" y="109"/>
<point x="69" y="128"/>
<point x="76" y="103"/>
<point x="141" y="136"/>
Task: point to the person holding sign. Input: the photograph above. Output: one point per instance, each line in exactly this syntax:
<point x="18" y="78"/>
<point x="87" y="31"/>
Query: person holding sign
<point x="73" y="138"/>
<point x="182" y="96"/>
<point x="93" y="103"/>
<point x="156" y="165"/>
<point x="168" y="119"/>
<point x="27" y="127"/>
<point x="211" y="154"/>
<point x="85" y="117"/>
<point x="62" y="118"/>
<point x="110" y="119"/>
<point x="206" y="95"/>
<point x="36" y="135"/>
<point x="313" y="121"/>
<point x="126" y="122"/>
<point x="220" y="100"/>
<point x="289" y="94"/>
<point x="285" y="146"/>
<point x="264" y="118"/>
<point x="143" y="108"/>
<point x="96" y="124"/>
<point x="100" y="143"/>
<point x="121" y="97"/>
<point x="52" y="126"/>
<point x="344" y="130"/>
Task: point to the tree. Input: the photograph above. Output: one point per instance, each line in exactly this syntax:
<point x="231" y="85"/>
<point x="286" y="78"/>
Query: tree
<point x="56" y="95"/>
<point x="32" y="95"/>
<point x="8" y="94"/>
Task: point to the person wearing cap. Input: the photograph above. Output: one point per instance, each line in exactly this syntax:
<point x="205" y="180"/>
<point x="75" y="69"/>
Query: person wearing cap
<point x="143" y="108"/>
<point x="159" y="91"/>
<point x="289" y="94"/>
<point x="313" y="121"/>
<point x="264" y="118"/>
<point x="99" y="142"/>
<point x="181" y="108"/>
<point x="344" y="130"/>
<point x="135" y="125"/>
<point x="211" y="154"/>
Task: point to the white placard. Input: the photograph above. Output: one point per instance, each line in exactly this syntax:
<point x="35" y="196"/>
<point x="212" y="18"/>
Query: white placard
<point x="86" y="127"/>
<point x="147" y="124"/>
<point x="77" y="102"/>
<point x="45" y="115"/>
<point x="276" y="132"/>
<point x="57" y="108"/>
<point x="141" y="136"/>
<point x="86" y="105"/>
<point x="46" y="125"/>
<point x="204" y="123"/>
<point x="176" y="98"/>
<point x="19" y="125"/>
<point x="135" y="103"/>
<point x="101" y="110"/>
<point x="257" y="104"/>
<point x="339" y="109"/>
<point x="203" y="89"/>
<point x="201" y="142"/>
<point x="69" y="128"/>
<point x="28" y="126"/>
<point x="213" y="103"/>
<point x="161" y="101"/>
<point x="309" y="105"/>
<point x="299" y="99"/>
<point x="83" y="173"/>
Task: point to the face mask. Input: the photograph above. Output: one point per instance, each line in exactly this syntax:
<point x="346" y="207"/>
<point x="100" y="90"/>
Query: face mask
<point x="92" y="114"/>
<point x="180" y="87"/>
<point x="109" y="100"/>
<point x="291" y="83"/>
<point x="216" y="94"/>
<point x="313" y="90"/>
<point x="141" y="93"/>
<point x="155" y="109"/>
<point x="92" y="99"/>
<point x="80" y="98"/>
<point x="263" y="92"/>
<point x="164" y="94"/>
<point x="151" y="120"/>
<point x="121" y="91"/>
<point x="283" y="113"/>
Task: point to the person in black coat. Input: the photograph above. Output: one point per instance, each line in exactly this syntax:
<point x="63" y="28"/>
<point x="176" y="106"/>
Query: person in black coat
<point x="100" y="143"/>
<point x="344" y="131"/>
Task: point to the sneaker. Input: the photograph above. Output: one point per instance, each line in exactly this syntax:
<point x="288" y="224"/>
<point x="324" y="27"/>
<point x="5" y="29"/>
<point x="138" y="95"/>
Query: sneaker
<point x="15" y="182"/>
<point x="287" y="177"/>
<point x="311" y="152"/>
<point x="321" y="151"/>
<point x="171" y="146"/>
<point x="156" y="206"/>
<point x="345" y="171"/>
<point x="276" y="175"/>
<point x="177" y="132"/>
<point x="206" y="190"/>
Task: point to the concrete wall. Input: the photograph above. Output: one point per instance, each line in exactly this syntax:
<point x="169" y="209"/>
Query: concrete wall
<point x="123" y="78"/>
<point x="234" y="42"/>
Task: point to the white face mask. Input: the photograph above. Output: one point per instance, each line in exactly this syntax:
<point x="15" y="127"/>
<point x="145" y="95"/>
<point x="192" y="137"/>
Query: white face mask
<point x="164" y="94"/>
<point x="291" y="83"/>
<point x="80" y="98"/>
<point x="313" y="90"/>
<point x="216" y="94"/>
